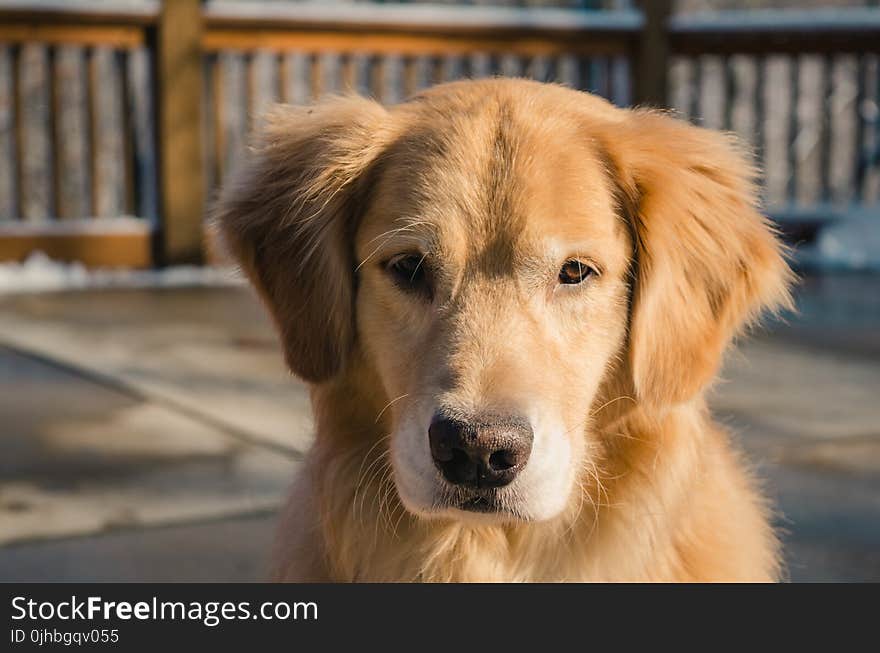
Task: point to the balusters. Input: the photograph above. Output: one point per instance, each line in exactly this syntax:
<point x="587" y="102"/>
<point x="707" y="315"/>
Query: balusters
<point x="122" y="61"/>
<point x="861" y="154"/>
<point x="8" y="173"/>
<point x="760" y="120"/>
<point x="392" y="79"/>
<point x="730" y="88"/>
<point x="695" y="108"/>
<point x="793" y="128"/>
<point x="825" y="107"/>
<point x="34" y="144"/>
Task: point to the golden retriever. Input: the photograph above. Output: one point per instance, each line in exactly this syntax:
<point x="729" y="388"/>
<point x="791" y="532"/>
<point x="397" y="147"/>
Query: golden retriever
<point x="508" y="299"/>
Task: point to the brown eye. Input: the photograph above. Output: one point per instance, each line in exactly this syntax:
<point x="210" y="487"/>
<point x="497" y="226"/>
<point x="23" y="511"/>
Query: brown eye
<point x="410" y="273"/>
<point x="574" y="271"/>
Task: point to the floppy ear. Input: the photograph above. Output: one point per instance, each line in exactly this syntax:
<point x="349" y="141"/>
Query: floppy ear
<point x="706" y="261"/>
<point x="288" y="216"/>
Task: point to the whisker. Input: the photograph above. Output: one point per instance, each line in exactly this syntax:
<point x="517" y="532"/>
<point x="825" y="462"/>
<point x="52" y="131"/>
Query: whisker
<point x="409" y="225"/>
<point x="362" y="473"/>
<point x="608" y="403"/>
<point x="378" y="471"/>
<point x="383" y="498"/>
<point x="390" y="234"/>
<point x="389" y="404"/>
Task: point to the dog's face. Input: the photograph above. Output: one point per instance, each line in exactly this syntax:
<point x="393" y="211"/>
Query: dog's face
<point x="493" y="293"/>
<point x="506" y="258"/>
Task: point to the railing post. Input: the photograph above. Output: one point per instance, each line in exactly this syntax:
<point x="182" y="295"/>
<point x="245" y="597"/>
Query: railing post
<point x="179" y="115"/>
<point x="652" y="54"/>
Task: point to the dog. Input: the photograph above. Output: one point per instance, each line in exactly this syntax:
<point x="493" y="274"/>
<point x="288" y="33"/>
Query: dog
<point x="508" y="299"/>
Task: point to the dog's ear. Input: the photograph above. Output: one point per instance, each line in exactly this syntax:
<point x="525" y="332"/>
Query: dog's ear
<point x="706" y="261"/>
<point x="287" y="217"/>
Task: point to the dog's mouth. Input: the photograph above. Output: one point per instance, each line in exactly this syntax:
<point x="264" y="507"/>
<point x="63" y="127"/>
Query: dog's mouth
<point x="479" y="504"/>
<point x="483" y="503"/>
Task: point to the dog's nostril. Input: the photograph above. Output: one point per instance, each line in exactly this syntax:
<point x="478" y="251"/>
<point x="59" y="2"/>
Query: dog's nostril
<point x="460" y="459"/>
<point x="502" y="460"/>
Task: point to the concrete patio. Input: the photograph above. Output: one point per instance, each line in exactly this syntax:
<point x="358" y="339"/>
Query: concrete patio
<point x="151" y="434"/>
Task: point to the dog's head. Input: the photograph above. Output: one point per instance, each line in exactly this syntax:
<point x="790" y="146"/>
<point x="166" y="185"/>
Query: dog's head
<point x="508" y="258"/>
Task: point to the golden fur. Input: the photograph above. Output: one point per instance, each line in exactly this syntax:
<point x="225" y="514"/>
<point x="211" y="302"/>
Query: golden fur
<point x="497" y="181"/>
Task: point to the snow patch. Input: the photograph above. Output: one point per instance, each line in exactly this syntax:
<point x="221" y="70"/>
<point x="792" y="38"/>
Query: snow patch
<point x="854" y="244"/>
<point x="39" y="273"/>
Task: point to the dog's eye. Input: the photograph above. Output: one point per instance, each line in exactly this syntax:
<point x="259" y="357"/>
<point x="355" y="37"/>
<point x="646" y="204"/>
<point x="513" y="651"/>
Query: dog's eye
<point x="575" y="271"/>
<point x="410" y="272"/>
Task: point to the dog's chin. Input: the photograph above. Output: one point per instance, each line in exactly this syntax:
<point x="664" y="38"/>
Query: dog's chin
<point x="482" y="509"/>
<point x="476" y="513"/>
<point x="479" y="513"/>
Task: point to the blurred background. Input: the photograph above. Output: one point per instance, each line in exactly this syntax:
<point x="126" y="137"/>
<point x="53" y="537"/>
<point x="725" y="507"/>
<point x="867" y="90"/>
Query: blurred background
<point x="148" y="429"/>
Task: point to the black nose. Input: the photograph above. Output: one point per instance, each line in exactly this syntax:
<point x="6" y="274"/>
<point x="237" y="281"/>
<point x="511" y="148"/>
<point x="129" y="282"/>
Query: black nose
<point x="480" y="454"/>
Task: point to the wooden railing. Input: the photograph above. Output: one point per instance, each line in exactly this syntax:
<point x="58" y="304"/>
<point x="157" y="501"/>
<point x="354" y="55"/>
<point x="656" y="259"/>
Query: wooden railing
<point x="76" y="134"/>
<point x="296" y="54"/>
<point x="141" y="113"/>
<point x="803" y="87"/>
